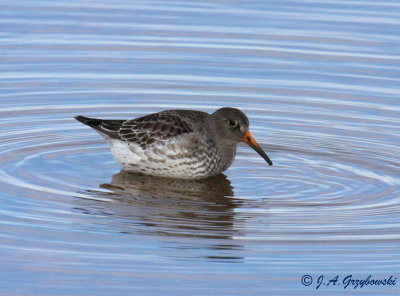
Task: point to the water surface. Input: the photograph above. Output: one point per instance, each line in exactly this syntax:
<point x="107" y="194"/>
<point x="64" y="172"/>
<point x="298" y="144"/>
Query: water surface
<point x="318" y="80"/>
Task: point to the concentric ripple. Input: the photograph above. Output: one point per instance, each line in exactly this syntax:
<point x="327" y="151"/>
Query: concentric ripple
<point x="319" y="82"/>
<point x="321" y="177"/>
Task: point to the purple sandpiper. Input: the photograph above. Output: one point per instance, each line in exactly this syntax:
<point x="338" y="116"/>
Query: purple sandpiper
<point x="185" y="144"/>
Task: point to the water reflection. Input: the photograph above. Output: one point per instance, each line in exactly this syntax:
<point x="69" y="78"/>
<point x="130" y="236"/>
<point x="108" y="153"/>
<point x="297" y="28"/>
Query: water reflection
<point x="216" y="189"/>
<point x="173" y="207"/>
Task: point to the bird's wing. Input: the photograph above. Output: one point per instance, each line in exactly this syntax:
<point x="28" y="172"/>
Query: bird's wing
<point x="153" y="128"/>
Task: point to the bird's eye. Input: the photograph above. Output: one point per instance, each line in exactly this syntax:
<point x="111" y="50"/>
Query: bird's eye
<point x="232" y="123"/>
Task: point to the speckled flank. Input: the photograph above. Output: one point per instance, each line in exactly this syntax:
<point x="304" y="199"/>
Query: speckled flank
<point x="168" y="159"/>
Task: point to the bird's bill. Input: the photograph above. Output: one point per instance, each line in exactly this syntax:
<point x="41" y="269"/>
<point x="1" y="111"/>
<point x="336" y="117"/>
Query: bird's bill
<point x="248" y="139"/>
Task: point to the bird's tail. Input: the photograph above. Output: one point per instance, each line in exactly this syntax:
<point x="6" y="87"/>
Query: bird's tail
<point x="105" y="127"/>
<point x="92" y="122"/>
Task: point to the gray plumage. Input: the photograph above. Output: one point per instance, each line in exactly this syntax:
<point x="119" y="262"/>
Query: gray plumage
<point x="184" y="144"/>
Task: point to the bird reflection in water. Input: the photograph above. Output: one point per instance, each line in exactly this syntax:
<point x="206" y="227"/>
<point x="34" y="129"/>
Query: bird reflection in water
<point x="173" y="207"/>
<point x="190" y="209"/>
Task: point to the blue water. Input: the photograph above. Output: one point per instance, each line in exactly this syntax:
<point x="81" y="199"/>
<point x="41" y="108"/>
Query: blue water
<point x="320" y="83"/>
